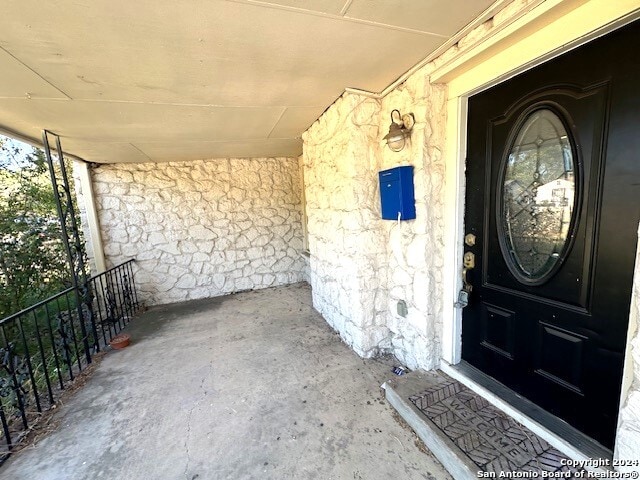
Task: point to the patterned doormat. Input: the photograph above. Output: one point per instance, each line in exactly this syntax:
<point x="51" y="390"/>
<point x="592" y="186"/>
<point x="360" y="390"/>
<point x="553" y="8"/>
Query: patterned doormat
<point x="489" y="437"/>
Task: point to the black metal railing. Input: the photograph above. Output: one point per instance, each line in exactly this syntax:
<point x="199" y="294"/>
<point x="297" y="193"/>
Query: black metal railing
<point x="43" y="347"/>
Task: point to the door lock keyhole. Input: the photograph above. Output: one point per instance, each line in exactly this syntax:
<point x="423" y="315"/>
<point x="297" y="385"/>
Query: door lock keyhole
<point x="469" y="260"/>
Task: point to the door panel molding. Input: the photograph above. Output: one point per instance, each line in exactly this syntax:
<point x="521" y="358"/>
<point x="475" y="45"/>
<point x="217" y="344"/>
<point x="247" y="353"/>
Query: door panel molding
<point x="494" y="318"/>
<point x="536" y="298"/>
<point x="572" y="346"/>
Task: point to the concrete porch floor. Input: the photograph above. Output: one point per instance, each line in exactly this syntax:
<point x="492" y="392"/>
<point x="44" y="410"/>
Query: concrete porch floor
<point x="252" y="385"/>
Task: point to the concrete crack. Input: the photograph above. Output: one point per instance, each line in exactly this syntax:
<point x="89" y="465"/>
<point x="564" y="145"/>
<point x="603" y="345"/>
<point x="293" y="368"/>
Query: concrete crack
<point x="186" y="441"/>
<point x="189" y="415"/>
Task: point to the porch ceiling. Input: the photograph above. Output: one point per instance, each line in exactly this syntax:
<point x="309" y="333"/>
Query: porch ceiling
<point x="178" y="80"/>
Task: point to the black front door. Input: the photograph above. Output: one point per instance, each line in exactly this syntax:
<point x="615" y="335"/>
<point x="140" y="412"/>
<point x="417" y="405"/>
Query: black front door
<point x="553" y="199"/>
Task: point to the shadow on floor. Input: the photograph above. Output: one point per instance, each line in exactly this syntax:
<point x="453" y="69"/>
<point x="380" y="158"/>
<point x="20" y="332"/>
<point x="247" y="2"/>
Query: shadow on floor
<point x="252" y="385"/>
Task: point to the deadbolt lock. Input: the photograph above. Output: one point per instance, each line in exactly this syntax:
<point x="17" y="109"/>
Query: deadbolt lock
<point x="469" y="260"/>
<point x="469" y="239"/>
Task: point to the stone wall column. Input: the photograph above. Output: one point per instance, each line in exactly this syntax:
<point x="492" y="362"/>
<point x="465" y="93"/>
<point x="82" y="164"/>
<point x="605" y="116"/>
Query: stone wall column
<point x="341" y="187"/>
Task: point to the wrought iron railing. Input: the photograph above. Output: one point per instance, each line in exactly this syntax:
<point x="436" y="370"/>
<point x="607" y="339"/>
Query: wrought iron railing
<point x="43" y="347"/>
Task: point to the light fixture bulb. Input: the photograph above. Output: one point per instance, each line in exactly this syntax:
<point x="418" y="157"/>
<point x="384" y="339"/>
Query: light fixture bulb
<point x="396" y="142"/>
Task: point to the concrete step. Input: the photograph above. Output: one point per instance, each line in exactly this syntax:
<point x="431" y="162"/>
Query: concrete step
<point x="470" y="436"/>
<point x="452" y="458"/>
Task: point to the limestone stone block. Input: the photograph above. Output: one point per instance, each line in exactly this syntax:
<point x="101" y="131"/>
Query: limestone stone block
<point x="264" y="240"/>
<point x="129" y="250"/>
<point x="242" y="242"/>
<point x="218" y="280"/>
<point x="199" y="232"/>
<point x="108" y="202"/>
<point x="156" y="181"/>
<point x="186" y="281"/>
<point x="112" y="250"/>
<point x="196" y="269"/>
<point x="162" y="268"/>
<point x="188" y="247"/>
<point x="170" y="247"/>
<point x="199" y="292"/>
<point x="148" y="253"/>
<point x="206" y="246"/>
<point x="251" y="235"/>
<point x="156" y="238"/>
<point x="283" y="264"/>
<point x="254" y="253"/>
<point x="165" y="284"/>
<point x="237" y="194"/>
<point x="185" y="260"/>
<point x="243" y="283"/>
<point x="200" y="257"/>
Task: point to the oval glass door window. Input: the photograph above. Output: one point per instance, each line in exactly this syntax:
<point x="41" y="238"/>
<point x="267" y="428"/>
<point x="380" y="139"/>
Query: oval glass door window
<point x="538" y="196"/>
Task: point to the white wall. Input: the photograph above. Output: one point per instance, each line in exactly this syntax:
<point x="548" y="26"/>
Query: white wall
<point x="203" y="228"/>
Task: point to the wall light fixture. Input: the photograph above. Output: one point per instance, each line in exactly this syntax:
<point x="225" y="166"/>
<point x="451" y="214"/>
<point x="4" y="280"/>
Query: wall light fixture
<point x="399" y="130"/>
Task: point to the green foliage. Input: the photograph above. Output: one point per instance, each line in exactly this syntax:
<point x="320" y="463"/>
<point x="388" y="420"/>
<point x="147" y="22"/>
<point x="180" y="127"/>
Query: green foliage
<point x="33" y="263"/>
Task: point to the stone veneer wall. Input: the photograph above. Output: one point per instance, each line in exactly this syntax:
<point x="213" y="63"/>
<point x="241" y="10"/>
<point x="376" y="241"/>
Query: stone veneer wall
<point x="202" y="228"/>
<point x="361" y="266"/>
<point x="415" y="249"/>
<point x="347" y="276"/>
<point x="628" y="433"/>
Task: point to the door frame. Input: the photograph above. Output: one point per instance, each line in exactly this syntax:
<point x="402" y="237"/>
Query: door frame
<point x="545" y="32"/>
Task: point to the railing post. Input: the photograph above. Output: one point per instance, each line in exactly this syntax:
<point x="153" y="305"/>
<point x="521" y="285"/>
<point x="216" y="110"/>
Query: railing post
<point x="71" y="240"/>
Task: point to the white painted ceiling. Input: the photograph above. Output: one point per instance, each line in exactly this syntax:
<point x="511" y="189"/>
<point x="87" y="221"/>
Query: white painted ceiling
<point x="172" y="80"/>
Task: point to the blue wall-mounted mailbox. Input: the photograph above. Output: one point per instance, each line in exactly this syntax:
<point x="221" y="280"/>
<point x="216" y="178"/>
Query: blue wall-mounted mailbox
<point x="396" y="193"/>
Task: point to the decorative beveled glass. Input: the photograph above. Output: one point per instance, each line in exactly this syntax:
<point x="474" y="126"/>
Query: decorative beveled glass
<point x="538" y="196"/>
